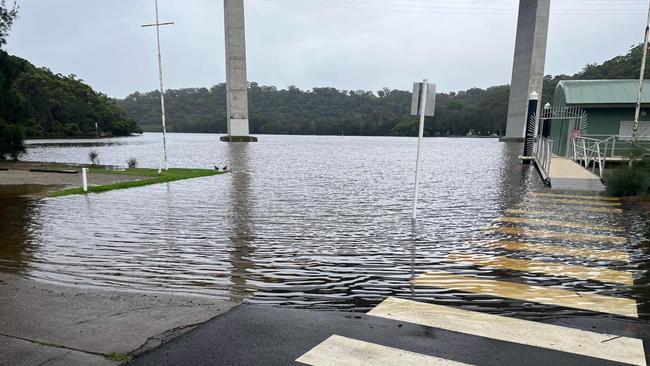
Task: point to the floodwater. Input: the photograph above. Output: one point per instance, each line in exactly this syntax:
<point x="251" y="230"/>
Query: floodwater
<point x="317" y="222"/>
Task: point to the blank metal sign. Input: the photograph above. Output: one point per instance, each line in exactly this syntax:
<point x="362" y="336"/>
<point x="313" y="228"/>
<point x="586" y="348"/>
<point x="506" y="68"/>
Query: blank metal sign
<point x="416" y="102"/>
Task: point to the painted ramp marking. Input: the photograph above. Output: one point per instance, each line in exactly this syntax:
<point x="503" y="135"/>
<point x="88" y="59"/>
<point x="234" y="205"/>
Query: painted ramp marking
<point x="598" y="345"/>
<point x="564" y="201"/>
<point x="342" y="351"/>
<point x="556" y="269"/>
<point x="538" y="208"/>
<point x="609" y="255"/>
<point x="575" y="196"/>
<point x="557" y="235"/>
<point x="539" y="294"/>
<point x="568" y="224"/>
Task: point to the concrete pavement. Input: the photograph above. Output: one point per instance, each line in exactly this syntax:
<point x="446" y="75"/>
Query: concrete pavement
<point x="63" y="325"/>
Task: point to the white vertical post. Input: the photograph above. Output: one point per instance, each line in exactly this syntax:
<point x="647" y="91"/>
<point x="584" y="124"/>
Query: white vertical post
<point x="84" y="178"/>
<point x="641" y="77"/>
<point x="162" y="90"/>
<point x="423" y="105"/>
<point x="158" y="24"/>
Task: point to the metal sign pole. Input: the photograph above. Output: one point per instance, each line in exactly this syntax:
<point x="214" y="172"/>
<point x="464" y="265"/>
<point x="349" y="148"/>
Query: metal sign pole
<point x="423" y="105"/>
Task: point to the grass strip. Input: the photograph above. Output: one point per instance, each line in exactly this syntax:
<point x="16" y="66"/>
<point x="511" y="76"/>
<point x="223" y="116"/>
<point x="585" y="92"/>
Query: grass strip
<point x="170" y="175"/>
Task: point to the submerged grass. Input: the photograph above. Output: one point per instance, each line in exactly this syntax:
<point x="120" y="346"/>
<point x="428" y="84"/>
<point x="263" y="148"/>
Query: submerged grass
<point x="166" y="176"/>
<point x="118" y="357"/>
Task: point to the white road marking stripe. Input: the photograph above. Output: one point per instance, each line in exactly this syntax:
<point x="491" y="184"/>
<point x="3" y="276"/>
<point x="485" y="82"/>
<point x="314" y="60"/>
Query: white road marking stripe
<point x="539" y="294"/>
<point x="604" y="275"/>
<point x="576" y="196"/>
<point x="581" y="342"/>
<point x="342" y="351"/>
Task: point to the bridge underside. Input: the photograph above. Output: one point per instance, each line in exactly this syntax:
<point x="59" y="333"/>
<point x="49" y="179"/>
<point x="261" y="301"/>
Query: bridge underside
<point x="528" y="65"/>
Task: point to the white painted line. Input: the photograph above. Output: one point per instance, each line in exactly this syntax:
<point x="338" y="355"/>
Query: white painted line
<point x="576" y="196"/>
<point x="598" y="345"/>
<point x="604" y="275"/>
<point x="524" y="292"/>
<point x="342" y="351"/>
<point x="555" y="250"/>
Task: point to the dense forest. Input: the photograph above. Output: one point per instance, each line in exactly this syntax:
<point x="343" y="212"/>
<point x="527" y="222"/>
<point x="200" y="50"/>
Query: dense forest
<point x="351" y="112"/>
<point x="54" y="105"/>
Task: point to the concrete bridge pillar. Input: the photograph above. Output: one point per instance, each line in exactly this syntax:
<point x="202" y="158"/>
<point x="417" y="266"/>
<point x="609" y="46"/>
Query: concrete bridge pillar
<point x="236" y="81"/>
<point x="528" y="66"/>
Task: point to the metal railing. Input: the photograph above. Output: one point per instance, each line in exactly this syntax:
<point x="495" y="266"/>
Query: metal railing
<point x="543" y="155"/>
<point x="616" y="147"/>
<point x="587" y="151"/>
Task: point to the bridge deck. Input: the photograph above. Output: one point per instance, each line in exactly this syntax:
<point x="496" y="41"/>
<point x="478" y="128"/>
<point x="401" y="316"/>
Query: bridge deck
<point x="566" y="174"/>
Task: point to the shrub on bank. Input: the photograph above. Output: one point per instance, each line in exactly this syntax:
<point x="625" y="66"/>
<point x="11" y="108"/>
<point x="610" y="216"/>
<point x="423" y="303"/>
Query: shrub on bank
<point x="625" y="181"/>
<point x="92" y="156"/>
<point x="12" y="141"/>
<point x="132" y="163"/>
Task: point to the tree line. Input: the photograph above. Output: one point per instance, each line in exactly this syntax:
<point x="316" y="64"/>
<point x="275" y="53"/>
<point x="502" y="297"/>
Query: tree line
<point x="329" y="111"/>
<point x="321" y="111"/>
<point x="55" y="105"/>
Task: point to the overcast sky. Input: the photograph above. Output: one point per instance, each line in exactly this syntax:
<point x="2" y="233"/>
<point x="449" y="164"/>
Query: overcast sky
<point x="348" y="44"/>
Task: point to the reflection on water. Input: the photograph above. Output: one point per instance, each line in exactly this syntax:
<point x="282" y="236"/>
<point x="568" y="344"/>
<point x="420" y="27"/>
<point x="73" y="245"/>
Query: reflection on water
<point x="15" y="219"/>
<point x="242" y="248"/>
<point x="324" y="222"/>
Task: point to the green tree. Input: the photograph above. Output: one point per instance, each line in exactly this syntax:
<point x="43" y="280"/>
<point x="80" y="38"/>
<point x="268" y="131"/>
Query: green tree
<point x="7" y="17"/>
<point x="54" y="105"/>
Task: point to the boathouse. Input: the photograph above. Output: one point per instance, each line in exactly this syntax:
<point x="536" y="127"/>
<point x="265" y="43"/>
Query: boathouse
<point x="608" y="106"/>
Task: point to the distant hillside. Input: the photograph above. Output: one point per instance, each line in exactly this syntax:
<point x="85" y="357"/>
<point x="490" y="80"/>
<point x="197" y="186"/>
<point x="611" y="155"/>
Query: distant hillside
<point x="321" y="111"/>
<point x="359" y="112"/>
<point x="54" y="105"/>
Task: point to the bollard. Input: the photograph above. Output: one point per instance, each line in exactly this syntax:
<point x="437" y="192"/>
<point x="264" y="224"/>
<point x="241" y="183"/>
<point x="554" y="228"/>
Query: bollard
<point x="84" y="178"/>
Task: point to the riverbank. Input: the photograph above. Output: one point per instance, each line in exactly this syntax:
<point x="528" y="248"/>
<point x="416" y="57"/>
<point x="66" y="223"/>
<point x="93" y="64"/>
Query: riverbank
<point x="61" y="325"/>
<point x="59" y="179"/>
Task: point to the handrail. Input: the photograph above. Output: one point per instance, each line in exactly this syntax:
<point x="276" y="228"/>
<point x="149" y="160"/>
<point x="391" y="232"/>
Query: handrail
<point x="587" y="151"/>
<point x="543" y="155"/>
<point x="618" y="147"/>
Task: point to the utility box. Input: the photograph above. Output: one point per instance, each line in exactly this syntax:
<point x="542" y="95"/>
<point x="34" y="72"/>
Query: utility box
<point x="418" y="98"/>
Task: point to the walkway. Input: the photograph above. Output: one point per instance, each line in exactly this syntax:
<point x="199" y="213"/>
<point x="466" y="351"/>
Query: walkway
<point x="415" y="331"/>
<point x="566" y="174"/>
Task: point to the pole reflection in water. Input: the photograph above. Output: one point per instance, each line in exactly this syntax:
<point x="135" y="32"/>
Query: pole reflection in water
<point x="239" y="216"/>
<point x="413" y="251"/>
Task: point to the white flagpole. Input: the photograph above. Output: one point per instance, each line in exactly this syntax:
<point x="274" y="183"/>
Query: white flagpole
<point x="423" y="106"/>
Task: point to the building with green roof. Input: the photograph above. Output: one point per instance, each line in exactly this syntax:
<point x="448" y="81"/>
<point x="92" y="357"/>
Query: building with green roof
<point x="609" y="106"/>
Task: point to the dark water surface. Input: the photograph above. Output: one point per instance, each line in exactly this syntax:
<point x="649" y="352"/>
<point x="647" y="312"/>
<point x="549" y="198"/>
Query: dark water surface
<point x="319" y="222"/>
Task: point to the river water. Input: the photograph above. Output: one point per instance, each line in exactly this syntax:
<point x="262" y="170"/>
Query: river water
<point x="304" y="221"/>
